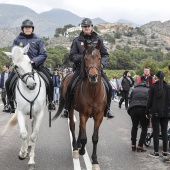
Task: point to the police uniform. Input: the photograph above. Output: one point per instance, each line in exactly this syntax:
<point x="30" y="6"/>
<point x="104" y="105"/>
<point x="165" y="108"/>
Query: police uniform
<point x="76" y="54"/>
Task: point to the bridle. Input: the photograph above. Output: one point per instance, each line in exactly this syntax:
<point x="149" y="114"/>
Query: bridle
<point x="87" y="69"/>
<point x="29" y="75"/>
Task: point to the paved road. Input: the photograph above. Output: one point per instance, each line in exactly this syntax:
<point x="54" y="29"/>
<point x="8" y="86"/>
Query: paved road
<point x="53" y="149"/>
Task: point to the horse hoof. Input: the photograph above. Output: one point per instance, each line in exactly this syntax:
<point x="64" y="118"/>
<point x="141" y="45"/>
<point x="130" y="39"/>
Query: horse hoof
<point x="31" y="167"/>
<point x="76" y="154"/>
<point x="82" y="152"/>
<point x="20" y="158"/>
<point x="95" y="167"/>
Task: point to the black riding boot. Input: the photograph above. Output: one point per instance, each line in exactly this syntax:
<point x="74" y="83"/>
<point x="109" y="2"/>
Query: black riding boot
<point x="70" y="96"/>
<point x="107" y="112"/>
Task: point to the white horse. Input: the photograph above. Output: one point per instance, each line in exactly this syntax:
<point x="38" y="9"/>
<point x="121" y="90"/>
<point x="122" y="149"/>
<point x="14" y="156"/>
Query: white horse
<point x="30" y="98"/>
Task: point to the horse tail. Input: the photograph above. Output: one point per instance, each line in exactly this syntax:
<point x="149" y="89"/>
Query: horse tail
<point x="12" y="122"/>
<point x="60" y="107"/>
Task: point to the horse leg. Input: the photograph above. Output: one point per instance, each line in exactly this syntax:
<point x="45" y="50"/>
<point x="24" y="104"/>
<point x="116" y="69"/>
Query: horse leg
<point x="23" y="135"/>
<point x="33" y="138"/>
<point x="95" y="138"/>
<point x="72" y="129"/>
<point x="78" y="139"/>
<point x="83" y="137"/>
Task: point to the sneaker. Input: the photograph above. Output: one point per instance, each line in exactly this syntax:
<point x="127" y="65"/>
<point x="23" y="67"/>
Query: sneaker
<point x="164" y="155"/>
<point x="154" y="154"/>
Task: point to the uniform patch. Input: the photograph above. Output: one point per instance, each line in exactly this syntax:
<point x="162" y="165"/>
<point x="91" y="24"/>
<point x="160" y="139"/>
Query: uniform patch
<point x="21" y="44"/>
<point x="82" y="43"/>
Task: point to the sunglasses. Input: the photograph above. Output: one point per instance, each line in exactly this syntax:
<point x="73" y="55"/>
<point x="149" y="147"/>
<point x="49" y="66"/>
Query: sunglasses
<point x="86" y="26"/>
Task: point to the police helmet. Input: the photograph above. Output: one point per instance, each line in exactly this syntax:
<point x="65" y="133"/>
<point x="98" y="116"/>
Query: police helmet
<point x="27" y="23"/>
<point x="86" y="22"/>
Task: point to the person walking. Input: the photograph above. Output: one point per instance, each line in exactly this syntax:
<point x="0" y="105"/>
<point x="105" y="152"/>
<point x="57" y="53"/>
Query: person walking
<point x="114" y="87"/>
<point x="4" y="76"/>
<point x="56" y="83"/>
<point x="158" y="109"/>
<point x="137" y="105"/>
<point x="125" y="84"/>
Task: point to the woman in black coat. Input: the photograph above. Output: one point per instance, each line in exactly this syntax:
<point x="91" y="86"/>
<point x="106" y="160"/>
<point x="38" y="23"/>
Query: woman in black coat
<point x="136" y="110"/>
<point x="158" y="109"/>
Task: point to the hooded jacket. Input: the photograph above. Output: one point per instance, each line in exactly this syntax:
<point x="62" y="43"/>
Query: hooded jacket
<point x="158" y="104"/>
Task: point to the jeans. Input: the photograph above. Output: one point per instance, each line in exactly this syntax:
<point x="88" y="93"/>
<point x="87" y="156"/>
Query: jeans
<point x="56" y="95"/>
<point x="138" y="115"/>
<point x="113" y="93"/>
<point x="163" y="123"/>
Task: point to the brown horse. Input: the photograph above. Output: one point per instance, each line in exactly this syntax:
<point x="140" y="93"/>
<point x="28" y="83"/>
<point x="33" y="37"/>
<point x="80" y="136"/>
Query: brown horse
<point x="90" y="100"/>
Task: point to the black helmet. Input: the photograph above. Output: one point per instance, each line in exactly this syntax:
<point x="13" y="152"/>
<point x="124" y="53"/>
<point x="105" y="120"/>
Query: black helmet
<point x="27" y="23"/>
<point x="86" y="22"/>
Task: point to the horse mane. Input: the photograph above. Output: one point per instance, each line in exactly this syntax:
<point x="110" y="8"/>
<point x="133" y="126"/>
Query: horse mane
<point x="83" y="71"/>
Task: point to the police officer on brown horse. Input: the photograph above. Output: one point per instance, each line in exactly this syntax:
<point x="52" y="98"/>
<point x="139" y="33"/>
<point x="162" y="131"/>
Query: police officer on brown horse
<point x="76" y="54"/>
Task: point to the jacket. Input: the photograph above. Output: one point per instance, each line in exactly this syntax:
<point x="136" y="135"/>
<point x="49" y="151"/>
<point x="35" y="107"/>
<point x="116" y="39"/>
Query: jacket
<point x="77" y="49"/>
<point x="36" y="52"/>
<point x="56" y="80"/>
<point x="139" y="96"/>
<point x="125" y="83"/>
<point x="2" y="79"/>
<point x="158" y="106"/>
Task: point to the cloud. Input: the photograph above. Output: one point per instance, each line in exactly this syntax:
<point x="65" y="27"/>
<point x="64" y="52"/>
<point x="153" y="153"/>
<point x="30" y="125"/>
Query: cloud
<point x="109" y="10"/>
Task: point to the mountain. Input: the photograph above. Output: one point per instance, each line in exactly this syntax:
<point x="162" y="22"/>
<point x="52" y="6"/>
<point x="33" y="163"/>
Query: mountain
<point x="45" y="23"/>
<point x="62" y="17"/>
<point x="68" y="17"/>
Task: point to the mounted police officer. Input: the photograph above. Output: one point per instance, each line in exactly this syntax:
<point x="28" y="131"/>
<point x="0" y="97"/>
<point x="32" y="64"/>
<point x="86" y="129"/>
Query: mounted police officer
<point x="76" y="54"/>
<point x="37" y="55"/>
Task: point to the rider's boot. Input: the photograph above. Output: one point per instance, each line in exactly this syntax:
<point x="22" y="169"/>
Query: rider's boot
<point x="107" y="112"/>
<point x="68" y="106"/>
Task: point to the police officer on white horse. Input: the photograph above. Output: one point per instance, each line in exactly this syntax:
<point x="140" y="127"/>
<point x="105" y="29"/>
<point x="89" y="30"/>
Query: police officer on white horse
<point x="37" y="55"/>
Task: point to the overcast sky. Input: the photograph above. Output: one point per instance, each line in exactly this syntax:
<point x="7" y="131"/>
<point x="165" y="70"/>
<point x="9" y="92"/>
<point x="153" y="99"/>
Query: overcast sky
<point x="137" y="11"/>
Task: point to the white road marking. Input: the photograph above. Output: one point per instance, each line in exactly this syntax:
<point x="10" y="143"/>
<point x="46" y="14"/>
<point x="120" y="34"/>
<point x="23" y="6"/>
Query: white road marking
<point x="87" y="161"/>
<point x="76" y="162"/>
<point x="86" y="157"/>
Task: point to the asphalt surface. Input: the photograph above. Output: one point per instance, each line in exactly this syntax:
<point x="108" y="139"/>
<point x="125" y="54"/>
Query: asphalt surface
<point x="53" y="148"/>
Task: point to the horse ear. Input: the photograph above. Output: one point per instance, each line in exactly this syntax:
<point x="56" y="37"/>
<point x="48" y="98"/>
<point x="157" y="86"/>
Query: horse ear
<point x="98" y="45"/>
<point x="9" y="54"/>
<point x="85" y="44"/>
<point x="26" y="48"/>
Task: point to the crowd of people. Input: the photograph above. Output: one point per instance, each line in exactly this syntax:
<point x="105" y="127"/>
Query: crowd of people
<point x="145" y="97"/>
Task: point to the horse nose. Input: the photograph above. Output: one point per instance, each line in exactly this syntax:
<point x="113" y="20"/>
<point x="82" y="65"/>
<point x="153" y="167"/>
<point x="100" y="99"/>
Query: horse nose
<point x="93" y="78"/>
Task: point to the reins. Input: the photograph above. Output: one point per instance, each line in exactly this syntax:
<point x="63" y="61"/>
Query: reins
<point x="31" y="102"/>
<point x="93" y="107"/>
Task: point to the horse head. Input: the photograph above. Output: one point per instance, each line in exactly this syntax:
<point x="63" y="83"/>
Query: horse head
<point x="92" y="61"/>
<point x="22" y="65"/>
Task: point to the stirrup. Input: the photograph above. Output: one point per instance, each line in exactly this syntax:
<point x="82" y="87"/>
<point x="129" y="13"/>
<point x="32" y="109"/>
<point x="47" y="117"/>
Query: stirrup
<point x="51" y="106"/>
<point x="65" y="114"/>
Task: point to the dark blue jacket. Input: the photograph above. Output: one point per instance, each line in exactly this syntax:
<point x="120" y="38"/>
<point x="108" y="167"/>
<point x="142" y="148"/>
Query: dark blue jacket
<point x="36" y="52"/>
<point x="2" y="79"/>
<point x="77" y="49"/>
<point x="56" y="80"/>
